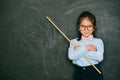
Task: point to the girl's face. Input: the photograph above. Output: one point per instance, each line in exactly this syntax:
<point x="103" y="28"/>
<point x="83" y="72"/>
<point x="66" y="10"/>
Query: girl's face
<point x="86" y="27"/>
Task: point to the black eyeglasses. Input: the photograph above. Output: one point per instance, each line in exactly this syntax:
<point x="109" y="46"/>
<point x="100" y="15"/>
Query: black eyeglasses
<point x="89" y="27"/>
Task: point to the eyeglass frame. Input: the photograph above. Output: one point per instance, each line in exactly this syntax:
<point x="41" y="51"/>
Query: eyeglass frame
<point x="92" y="27"/>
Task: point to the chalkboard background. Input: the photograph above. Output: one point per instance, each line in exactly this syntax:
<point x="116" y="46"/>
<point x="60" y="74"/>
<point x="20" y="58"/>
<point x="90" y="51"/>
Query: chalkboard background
<point x="32" y="49"/>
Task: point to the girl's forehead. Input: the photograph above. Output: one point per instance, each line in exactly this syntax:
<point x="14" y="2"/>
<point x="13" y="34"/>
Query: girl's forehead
<point x="86" y="21"/>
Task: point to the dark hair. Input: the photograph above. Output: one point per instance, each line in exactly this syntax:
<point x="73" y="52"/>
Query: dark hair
<point x="90" y="16"/>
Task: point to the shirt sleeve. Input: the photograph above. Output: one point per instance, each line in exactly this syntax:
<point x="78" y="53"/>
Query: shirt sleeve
<point x="97" y="55"/>
<point x="74" y="54"/>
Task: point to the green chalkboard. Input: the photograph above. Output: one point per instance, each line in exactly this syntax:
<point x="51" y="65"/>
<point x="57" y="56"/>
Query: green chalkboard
<point x="32" y="49"/>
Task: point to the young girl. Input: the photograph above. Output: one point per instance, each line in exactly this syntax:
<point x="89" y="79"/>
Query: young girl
<point x="86" y="45"/>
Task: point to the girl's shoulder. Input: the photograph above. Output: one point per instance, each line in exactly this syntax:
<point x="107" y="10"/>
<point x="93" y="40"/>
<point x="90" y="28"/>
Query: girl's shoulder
<point x="98" y="39"/>
<point x="75" y="39"/>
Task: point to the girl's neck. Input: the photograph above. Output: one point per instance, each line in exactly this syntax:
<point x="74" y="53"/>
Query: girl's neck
<point x="87" y="36"/>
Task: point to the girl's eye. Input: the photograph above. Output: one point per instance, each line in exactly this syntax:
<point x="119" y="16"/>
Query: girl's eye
<point x="82" y="26"/>
<point x="89" y="26"/>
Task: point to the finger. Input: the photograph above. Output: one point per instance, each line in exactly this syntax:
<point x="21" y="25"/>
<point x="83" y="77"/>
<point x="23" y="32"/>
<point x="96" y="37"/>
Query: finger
<point x="77" y="46"/>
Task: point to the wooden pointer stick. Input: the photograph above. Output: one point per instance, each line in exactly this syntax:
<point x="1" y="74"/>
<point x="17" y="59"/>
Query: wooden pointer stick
<point x="59" y="30"/>
<point x="72" y="43"/>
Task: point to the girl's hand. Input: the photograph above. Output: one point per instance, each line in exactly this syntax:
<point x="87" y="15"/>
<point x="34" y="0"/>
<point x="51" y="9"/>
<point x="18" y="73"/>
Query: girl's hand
<point x="91" y="47"/>
<point x="77" y="46"/>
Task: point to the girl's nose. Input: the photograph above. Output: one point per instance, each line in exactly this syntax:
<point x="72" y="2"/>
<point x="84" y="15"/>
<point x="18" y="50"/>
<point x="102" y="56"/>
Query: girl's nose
<point x="86" y="28"/>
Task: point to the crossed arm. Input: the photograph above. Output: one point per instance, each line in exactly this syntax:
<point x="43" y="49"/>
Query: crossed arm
<point x="94" y="52"/>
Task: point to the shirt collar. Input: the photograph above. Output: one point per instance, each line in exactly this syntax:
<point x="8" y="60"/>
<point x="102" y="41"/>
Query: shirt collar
<point x="87" y="38"/>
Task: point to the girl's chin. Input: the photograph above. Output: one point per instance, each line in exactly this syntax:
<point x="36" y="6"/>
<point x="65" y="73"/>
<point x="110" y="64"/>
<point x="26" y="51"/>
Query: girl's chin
<point x="85" y="35"/>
